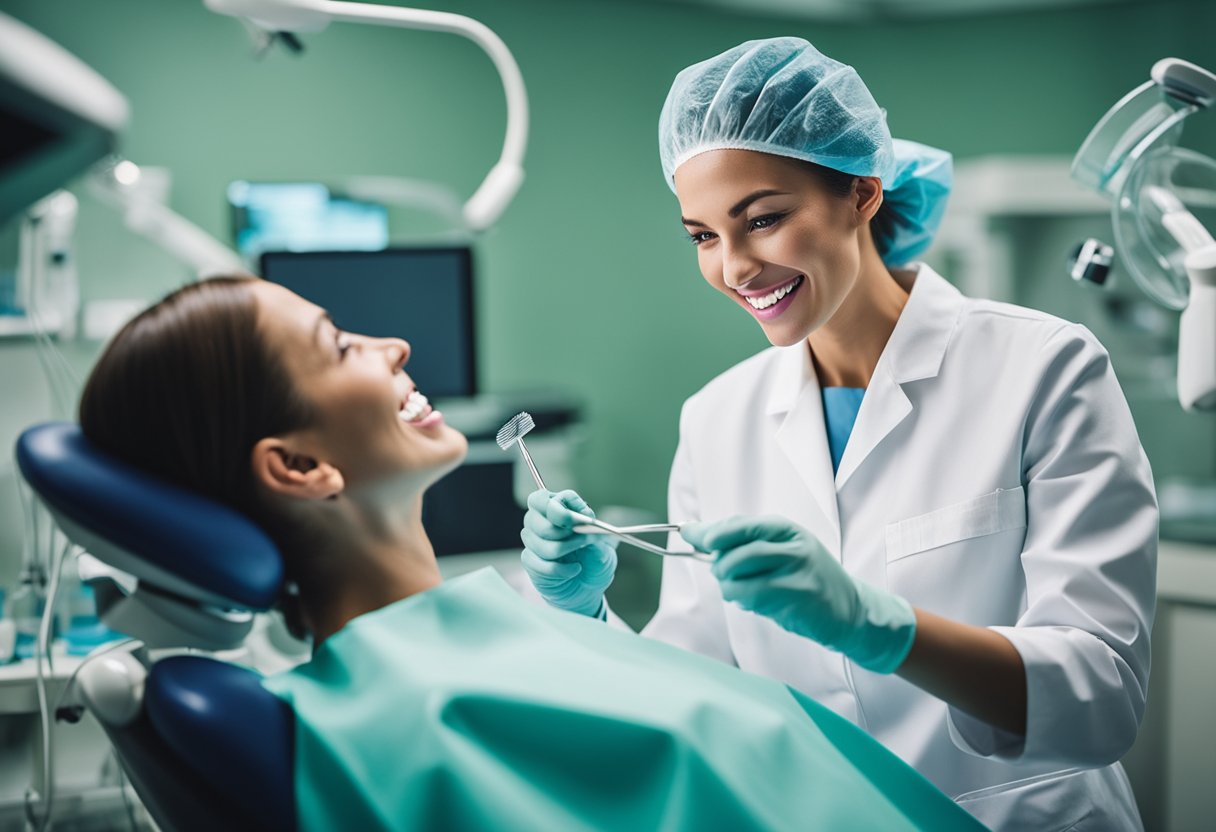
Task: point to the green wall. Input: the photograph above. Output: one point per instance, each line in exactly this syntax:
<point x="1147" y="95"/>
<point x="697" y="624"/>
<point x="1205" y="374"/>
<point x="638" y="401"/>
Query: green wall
<point x="587" y="281"/>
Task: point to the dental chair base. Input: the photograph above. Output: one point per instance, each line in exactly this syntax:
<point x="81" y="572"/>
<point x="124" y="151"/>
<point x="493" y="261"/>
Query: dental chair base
<point x="204" y="744"/>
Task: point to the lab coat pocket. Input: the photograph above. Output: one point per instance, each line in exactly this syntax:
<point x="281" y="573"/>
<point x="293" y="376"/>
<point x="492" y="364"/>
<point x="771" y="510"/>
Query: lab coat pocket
<point x="998" y="511"/>
<point x="962" y="561"/>
<point x="1054" y="802"/>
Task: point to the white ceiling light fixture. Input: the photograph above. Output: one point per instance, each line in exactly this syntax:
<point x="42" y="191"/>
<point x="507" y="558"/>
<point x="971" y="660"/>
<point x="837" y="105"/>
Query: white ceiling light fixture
<point x="502" y="182"/>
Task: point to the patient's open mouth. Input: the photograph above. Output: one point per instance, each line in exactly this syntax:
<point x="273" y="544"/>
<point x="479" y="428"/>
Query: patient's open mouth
<point x="415" y="407"/>
<point x="416" y="410"/>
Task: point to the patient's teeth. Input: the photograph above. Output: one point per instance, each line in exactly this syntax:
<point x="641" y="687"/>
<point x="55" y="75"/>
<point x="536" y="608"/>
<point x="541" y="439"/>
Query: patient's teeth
<point x="415" y="406"/>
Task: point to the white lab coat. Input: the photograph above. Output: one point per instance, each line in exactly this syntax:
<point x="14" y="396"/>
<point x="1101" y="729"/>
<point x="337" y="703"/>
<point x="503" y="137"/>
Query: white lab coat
<point x="994" y="477"/>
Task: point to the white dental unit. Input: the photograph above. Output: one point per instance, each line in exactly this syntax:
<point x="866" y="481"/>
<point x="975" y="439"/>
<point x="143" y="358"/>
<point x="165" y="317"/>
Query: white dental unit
<point x="1163" y="207"/>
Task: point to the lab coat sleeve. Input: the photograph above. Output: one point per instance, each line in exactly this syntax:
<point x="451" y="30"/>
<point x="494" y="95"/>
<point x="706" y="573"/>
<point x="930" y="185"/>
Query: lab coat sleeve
<point x="691" y="611"/>
<point x="1090" y="566"/>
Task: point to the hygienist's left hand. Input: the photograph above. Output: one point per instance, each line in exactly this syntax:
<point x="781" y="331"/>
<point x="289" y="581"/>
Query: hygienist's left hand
<point x="780" y="570"/>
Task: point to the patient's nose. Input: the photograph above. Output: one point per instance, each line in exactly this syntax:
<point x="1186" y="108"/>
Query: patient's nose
<point x="398" y="352"/>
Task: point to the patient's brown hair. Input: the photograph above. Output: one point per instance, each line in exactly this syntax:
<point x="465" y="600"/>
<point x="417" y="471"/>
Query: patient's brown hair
<point x="187" y="388"/>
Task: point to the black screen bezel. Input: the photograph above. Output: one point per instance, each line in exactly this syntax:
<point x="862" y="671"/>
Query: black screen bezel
<point x="465" y="254"/>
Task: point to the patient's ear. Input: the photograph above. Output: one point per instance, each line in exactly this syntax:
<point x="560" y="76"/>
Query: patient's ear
<point x="281" y="467"/>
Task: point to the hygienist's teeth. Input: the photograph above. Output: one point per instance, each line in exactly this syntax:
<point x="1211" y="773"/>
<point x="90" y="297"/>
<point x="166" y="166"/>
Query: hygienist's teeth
<point x="768" y="300"/>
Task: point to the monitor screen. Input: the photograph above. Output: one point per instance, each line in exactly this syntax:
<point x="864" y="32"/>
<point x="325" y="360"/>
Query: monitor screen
<point x="302" y="216"/>
<point x="424" y="295"/>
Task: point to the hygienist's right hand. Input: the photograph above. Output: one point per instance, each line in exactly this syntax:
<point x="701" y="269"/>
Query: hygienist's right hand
<point x="569" y="570"/>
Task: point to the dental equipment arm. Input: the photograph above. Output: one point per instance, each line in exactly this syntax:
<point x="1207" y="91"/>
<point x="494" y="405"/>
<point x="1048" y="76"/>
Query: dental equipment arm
<point x="1197" y="326"/>
<point x="417" y="194"/>
<point x="118" y="186"/>
<point x="491" y="198"/>
<point x="58" y="117"/>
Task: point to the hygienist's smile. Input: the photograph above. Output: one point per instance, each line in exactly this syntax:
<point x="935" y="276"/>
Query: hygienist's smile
<point x="767" y="303"/>
<point x="771" y="232"/>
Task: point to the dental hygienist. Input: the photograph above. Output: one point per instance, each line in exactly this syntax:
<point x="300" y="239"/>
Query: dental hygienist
<point x="929" y="512"/>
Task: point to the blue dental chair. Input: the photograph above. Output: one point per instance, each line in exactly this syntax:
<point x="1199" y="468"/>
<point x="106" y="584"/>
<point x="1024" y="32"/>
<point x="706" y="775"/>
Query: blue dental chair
<point x="205" y="746"/>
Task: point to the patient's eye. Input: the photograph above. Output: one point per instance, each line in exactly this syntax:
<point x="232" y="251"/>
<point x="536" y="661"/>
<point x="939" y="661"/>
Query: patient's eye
<point x="342" y="342"/>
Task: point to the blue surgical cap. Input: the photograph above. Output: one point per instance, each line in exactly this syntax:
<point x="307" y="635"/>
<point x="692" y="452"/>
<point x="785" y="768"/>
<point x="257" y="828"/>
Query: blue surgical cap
<point x="916" y="197"/>
<point x="783" y="96"/>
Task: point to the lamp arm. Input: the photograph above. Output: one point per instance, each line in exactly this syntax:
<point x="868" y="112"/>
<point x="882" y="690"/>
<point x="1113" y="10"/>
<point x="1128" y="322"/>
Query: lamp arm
<point x="512" y="80"/>
<point x="165" y="228"/>
<point x="503" y="181"/>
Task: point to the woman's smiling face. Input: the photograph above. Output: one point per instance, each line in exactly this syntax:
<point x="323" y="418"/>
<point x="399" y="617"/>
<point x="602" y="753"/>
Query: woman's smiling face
<point x="371" y="424"/>
<point x="771" y="236"/>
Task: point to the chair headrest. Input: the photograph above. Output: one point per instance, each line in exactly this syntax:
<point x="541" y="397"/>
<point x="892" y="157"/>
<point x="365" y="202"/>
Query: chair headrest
<point x="160" y="533"/>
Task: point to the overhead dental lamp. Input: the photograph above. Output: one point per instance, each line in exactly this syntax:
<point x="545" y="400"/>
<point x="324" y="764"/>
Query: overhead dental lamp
<point x="496" y="191"/>
<point x="1163" y="211"/>
<point x="57" y="117"/>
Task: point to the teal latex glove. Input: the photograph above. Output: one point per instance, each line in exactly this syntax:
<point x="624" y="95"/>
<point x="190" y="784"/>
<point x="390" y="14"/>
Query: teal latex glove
<point x="780" y="570"/>
<point x="569" y="570"/>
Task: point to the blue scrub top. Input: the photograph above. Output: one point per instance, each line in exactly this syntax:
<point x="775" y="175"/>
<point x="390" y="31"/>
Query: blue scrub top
<point x="840" y="406"/>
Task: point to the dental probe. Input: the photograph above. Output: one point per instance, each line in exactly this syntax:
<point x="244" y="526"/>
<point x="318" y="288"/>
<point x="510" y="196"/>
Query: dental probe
<point x="514" y="431"/>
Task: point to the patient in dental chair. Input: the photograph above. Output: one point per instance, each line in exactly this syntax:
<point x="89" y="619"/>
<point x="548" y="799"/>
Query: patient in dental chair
<point x="458" y="705"/>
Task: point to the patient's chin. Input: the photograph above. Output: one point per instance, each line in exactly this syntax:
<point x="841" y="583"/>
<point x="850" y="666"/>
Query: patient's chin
<point x="439" y="461"/>
<point x="459" y="449"/>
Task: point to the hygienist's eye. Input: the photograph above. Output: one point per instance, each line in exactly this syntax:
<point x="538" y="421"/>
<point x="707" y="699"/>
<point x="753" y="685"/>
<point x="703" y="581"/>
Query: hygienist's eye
<point x="342" y="341"/>
<point x="766" y="221"/>
<point x="700" y="237"/>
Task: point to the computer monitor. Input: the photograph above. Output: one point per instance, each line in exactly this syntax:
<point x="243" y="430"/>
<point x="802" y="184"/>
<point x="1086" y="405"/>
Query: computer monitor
<point x="302" y="216"/>
<point x="424" y="295"/>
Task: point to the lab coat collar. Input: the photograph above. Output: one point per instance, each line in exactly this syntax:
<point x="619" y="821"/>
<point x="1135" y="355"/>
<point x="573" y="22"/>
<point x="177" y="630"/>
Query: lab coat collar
<point x="794" y="371"/>
<point x="918" y="343"/>
<point x="914" y="351"/>
<point x="803" y="438"/>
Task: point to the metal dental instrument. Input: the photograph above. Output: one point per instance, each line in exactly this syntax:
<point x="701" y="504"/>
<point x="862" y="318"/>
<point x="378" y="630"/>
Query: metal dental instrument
<point x="515" y="430"/>
<point x="626" y="533"/>
<point x="520" y="425"/>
